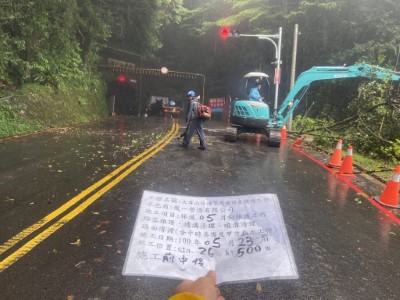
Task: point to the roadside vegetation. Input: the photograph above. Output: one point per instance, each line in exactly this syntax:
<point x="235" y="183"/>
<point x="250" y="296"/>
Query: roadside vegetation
<point x="47" y="52"/>
<point x="370" y="120"/>
<point x="35" y="108"/>
<point x="370" y="123"/>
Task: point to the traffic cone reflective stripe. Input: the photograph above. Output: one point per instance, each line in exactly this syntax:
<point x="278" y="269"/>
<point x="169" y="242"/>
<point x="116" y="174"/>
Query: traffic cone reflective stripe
<point x="336" y="159"/>
<point x="299" y="142"/>
<point x="390" y="195"/>
<point x="283" y="132"/>
<point x="346" y="169"/>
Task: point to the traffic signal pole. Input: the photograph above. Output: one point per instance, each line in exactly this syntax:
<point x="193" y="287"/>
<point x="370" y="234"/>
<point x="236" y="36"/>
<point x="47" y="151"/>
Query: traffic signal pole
<point x="270" y="37"/>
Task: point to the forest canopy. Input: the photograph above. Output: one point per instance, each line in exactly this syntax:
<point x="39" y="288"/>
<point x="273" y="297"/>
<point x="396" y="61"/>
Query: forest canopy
<point x="49" y="42"/>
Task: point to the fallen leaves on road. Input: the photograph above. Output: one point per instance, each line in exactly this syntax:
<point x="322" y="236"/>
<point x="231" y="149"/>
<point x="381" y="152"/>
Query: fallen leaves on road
<point x="99" y="259"/>
<point x="102" y="223"/>
<point x="77" y="243"/>
<point x="79" y="264"/>
<point x="258" y="288"/>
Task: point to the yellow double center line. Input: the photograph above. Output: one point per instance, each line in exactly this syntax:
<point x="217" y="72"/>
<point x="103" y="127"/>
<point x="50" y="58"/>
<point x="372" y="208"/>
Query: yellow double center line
<point x="111" y="179"/>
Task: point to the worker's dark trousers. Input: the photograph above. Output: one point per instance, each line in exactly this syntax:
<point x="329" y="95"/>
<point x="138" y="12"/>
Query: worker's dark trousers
<point x="195" y="124"/>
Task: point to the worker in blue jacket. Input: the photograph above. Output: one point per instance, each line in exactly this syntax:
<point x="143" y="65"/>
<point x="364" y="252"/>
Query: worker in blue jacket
<point x="255" y="93"/>
<point x="194" y="122"/>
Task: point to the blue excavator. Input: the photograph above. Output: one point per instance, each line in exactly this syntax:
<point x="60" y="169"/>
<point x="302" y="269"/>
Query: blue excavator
<point x="254" y="117"/>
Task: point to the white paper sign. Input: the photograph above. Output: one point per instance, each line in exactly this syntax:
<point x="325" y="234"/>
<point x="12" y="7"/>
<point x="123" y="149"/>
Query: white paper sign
<point x="242" y="238"/>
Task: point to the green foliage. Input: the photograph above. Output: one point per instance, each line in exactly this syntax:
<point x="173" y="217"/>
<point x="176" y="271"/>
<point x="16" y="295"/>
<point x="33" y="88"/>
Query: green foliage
<point x="303" y="124"/>
<point x="378" y="121"/>
<point x="392" y="151"/>
<point x="312" y="126"/>
<point x="369" y="122"/>
<point x="39" y="40"/>
<point x="12" y="123"/>
<point x="37" y="107"/>
<point x="137" y="24"/>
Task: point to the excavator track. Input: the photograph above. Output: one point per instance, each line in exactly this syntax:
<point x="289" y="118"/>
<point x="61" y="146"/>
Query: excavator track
<point x="231" y="134"/>
<point x="274" y="137"/>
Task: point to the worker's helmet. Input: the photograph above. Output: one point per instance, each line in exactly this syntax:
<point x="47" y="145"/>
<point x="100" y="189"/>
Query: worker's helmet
<point x="191" y="94"/>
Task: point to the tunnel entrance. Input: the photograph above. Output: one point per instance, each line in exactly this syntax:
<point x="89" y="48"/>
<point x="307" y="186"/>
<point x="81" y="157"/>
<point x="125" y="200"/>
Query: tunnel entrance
<point x="122" y="98"/>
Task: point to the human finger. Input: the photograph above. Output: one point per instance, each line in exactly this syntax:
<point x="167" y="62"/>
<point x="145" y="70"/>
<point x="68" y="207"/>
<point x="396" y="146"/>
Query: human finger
<point x="212" y="275"/>
<point x="218" y="291"/>
<point x="183" y="286"/>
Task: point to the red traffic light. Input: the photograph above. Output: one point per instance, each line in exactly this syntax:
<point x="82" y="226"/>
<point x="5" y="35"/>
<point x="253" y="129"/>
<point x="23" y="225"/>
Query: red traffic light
<point x="224" y="32"/>
<point x="121" y="79"/>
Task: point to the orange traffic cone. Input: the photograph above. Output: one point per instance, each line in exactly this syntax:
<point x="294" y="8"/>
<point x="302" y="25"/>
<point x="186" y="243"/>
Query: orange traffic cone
<point x="299" y="142"/>
<point x="390" y="195"/>
<point x="336" y="159"/>
<point x="347" y="166"/>
<point x="283" y="132"/>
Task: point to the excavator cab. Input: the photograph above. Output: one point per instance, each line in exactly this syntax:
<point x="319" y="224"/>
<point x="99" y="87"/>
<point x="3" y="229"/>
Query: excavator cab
<point x="250" y="81"/>
<point x="250" y="115"/>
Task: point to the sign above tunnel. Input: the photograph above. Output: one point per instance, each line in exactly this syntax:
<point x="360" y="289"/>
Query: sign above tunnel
<point x="121" y="64"/>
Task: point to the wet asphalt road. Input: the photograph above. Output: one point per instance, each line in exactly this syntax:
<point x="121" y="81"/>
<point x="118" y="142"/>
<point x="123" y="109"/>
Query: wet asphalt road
<point x="344" y="247"/>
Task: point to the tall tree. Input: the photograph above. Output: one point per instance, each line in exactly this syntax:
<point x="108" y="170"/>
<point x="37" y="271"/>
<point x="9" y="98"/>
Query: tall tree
<point x="137" y="24"/>
<point x="49" y="42"/>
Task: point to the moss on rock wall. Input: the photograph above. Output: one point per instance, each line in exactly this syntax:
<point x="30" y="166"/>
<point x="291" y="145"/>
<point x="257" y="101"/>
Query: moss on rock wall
<point x="36" y="108"/>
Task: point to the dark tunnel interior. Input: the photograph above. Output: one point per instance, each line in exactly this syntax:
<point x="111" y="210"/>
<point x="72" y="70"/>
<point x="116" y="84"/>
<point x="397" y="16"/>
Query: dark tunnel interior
<point x="122" y="98"/>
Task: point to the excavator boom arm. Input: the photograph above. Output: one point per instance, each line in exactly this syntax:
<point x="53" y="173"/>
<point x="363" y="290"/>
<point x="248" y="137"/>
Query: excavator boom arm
<point x="326" y="73"/>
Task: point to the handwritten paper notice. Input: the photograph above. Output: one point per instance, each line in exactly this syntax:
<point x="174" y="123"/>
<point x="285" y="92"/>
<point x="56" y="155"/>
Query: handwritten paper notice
<point x="242" y="238"/>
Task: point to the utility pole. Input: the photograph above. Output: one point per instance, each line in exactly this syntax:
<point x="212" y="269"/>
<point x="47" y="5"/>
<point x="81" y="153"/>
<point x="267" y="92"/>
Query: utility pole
<point x="140" y="85"/>
<point x="277" y="78"/>
<point x="293" y="70"/>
